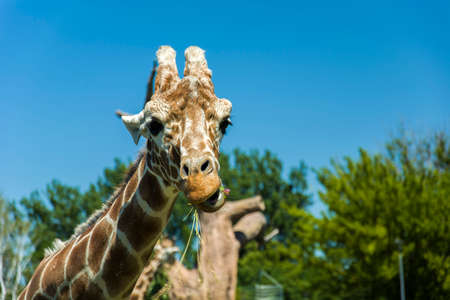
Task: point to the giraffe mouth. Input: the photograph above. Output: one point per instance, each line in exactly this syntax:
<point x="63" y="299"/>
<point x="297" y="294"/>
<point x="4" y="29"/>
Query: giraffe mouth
<point x="213" y="202"/>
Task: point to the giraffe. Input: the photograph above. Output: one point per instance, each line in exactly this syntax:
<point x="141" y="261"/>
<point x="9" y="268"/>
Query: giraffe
<point x="163" y="252"/>
<point x="183" y="123"/>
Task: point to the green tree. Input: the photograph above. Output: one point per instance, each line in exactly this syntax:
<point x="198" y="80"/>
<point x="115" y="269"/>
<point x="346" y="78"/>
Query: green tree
<point x="374" y="200"/>
<point x="56" y="212"/>
<point x="246" y="175"/>
<point x="288" y="260"/>
<point x="262" y="174"/>
<point x="14" y="249"/>
<point x="60" y="208"/>
<point x="285" y="199"/>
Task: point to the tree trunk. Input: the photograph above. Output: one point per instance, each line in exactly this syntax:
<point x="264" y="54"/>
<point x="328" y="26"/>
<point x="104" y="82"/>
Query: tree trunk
<point x="223" y="233"/>
<point x="162" y="252"/>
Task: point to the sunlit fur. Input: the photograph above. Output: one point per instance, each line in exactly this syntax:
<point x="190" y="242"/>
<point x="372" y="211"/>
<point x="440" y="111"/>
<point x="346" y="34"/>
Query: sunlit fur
<point x="106" y="254"/>
<point x="191" y="114"/>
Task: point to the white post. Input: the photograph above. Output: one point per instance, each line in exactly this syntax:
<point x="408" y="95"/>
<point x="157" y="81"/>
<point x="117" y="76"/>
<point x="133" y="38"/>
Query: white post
<point x="402" y="281"/>
<point x="399" y="242"/>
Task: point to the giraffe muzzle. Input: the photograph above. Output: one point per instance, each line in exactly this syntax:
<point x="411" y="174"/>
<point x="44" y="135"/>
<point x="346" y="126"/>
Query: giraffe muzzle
<point x="199" y="187"/>
<point x="201" y="179"/>
<point x="202" y="183"/>
<point x="214" y="202"/>
<point x="205" y="192"/>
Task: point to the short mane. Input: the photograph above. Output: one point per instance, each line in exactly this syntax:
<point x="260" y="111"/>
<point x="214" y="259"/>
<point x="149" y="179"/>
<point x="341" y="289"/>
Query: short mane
<point x="83" y="227"/>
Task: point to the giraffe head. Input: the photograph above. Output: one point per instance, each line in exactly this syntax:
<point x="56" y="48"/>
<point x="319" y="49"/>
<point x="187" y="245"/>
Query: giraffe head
<point x="184" y="122"/>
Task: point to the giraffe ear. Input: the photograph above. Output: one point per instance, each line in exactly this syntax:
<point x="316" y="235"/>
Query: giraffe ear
<point x="133" y="124"/>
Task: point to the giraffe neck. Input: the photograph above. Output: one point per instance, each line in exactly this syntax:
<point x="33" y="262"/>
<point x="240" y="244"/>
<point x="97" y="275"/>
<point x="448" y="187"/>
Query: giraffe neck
<point x="106" y="260"/>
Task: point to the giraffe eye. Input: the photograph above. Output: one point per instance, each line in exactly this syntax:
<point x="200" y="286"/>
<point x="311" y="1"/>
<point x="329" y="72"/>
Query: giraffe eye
<point x="155" y="127"/>
<point x="224" y="124"/>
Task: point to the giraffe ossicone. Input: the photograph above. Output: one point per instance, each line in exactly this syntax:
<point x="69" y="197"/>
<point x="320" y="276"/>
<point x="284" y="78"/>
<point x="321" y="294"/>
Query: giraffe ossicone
<point x="183" y="123"/>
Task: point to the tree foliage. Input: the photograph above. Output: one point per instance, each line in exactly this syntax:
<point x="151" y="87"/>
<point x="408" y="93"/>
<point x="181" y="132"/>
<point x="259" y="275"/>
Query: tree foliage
<point x="374" y="201"/>
<point x="348" y="253"/>
<point x="56" y="212"/>
<point x="285" y="200"/>
<point x="14" y="250"/>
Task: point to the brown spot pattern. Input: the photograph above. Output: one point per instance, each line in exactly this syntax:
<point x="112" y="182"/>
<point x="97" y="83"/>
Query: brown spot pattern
<point x="130" y="289"/>
<point x="40" y="296"/>
<point x="93" y="292"/>
<point x="202" y="146"/>
<point x="116" y="206"/>
<point x="139" y="227"/>
<point x="22" y="295"/>
<point x="142" y="165"/>
<point x="79" y="287"/>
<point x="33" y="285"/>
<point x="54" y="273"/>
<point x="173" y="172"/>
<point x="98" y="245"/>
<point x="147" y="253"/>
<point x="77" y="259"/>
<point x="175" y="156"/>
<point x="154" y="160"/>
<point x="64" y="293"/>
<point x="131" y="187"/>
<point x="151" y="192"/>
<point x="164" y="161"/>
<point x="120" y="267"/>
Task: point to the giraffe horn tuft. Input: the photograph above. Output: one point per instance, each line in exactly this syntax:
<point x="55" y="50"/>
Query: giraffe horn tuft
<point x="167" y="73"/>
<point x="196" y="64"/>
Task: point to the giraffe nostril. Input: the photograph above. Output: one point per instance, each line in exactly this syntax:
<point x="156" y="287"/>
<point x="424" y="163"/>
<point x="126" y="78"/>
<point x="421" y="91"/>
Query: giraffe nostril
<point x="185" y="170"/>
<point x="204" y="166"/>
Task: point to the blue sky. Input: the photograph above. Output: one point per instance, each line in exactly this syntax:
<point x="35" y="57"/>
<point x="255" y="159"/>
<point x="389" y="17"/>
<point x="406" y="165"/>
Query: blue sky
<point x="308" y="80"/>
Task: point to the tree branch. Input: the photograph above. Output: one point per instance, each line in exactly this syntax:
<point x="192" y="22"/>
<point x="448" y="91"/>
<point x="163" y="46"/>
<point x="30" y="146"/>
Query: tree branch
<point x="236" y="209"/>
<point x="249" y="227"/>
